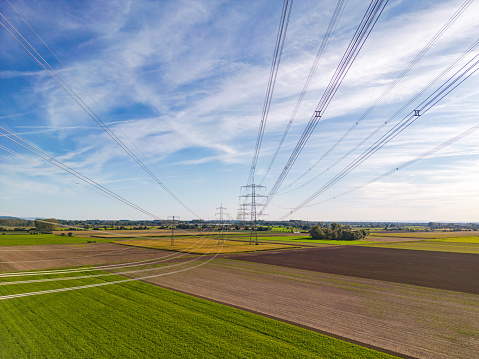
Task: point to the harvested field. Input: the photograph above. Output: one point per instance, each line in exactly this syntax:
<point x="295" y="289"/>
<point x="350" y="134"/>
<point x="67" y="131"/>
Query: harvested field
<point x="450" y="271"/>
<point x="71" y="255"/>
<point x="414" y="321"/>
<point x="204" y="245"/>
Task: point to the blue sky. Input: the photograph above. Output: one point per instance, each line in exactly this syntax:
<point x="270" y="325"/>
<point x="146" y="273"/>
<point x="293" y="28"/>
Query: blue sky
<point x="185" y="81"/>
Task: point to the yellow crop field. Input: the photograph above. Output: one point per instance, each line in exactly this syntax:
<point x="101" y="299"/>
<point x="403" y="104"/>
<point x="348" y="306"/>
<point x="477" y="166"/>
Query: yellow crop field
<point x="200" y="245"/>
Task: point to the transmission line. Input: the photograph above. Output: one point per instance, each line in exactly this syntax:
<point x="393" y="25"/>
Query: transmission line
<point x="391" y="118"/>
<point x="403" y="165"/>
<point x="91" y="97"/>
<point x="36" y="151"/>
<point x="446" y="88"/>
<point x="89" y="111"/>
<point x="391" y="86"/>
<point x="319" y="55"/>
<point x="281" y="36"/>
<point x="362" y="33"/>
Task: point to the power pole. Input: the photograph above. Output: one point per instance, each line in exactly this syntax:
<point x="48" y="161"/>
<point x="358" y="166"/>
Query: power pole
<point x="252" y="192"/>
<point x="221" y="213"/>
<point x="173" y="229"/>
<point x="242" y="213"/>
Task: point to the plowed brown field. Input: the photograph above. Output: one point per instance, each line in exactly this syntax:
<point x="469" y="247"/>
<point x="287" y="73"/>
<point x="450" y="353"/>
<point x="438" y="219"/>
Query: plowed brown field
<point x="410" y="320"/>
<point x="442" y="270"/>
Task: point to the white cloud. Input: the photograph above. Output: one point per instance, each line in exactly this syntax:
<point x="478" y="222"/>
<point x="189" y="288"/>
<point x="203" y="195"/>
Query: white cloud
<point x="185" y="81"/>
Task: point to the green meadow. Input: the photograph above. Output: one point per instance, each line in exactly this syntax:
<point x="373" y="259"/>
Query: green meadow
<point x="33" y="239"/>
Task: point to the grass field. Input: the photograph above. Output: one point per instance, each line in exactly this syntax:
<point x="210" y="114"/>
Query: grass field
<point x="32" y="239"/>
<point x="139" y="320"/>
<point x="200" y="245"/>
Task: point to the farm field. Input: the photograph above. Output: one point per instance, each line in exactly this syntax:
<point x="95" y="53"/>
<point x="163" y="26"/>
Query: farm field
<point x="458" y="242"/>
<point x="355" y="293"/>
<point x="455" y="245"/>
<point x="136" y="319"/>
<point x="34" y="239"/>
<point x="70" y="255"/>
<point x="411" y="320"/>
<point x="449" y="271"/>
<point x="154" y="232"/>
<point x="427" y="235"/>
<point x="200" y="245"/>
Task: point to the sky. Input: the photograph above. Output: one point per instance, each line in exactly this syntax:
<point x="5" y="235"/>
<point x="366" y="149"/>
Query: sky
<point x="182" y="85"/>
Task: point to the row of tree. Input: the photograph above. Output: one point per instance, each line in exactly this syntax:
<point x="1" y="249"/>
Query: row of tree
<point x="335" y="231"/>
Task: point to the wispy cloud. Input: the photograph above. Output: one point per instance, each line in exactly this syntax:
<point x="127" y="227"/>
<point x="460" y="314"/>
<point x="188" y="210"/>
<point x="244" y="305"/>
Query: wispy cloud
<point x="186" y="80"/>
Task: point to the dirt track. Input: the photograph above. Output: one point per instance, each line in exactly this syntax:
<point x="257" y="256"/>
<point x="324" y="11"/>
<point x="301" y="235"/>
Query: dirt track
<point x="450" y="271"/>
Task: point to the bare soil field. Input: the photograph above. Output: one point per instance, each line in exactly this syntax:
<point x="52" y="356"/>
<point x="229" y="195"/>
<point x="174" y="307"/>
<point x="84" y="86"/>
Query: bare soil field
<point x="70" y="255"/>
<point x="450" y="271"/>
<point x="413" y="321"/>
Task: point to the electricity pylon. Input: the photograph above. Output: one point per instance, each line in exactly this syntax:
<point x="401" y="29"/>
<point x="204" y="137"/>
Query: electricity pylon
<point x="173" y="229"/>
<point x="252" y="192"/>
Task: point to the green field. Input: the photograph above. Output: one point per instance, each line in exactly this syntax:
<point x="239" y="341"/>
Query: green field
<point x="426" y="235"/>
<point x="32" y="239"/>
<point x="139" y="320"/>
<point x="471" y="239"/>
<point x="439" y="245"/>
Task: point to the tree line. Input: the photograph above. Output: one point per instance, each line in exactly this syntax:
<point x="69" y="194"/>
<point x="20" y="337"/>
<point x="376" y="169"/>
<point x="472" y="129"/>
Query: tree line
<point x="335" y="231"/>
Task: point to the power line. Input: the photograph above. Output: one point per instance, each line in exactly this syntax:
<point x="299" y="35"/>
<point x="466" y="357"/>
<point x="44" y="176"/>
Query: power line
<point x="89" y="95"/>
<point x="319" y="55"/>
<point x="391" y="118"/>
<point x="403" y="165"/>
<point x="442" y="91"/>
<point x="368" y="21"/>
<point x="36" y="151"/>
<point x="281" y="36"/>
<point x="90" y="112"/>
<point x="391" y="86"/>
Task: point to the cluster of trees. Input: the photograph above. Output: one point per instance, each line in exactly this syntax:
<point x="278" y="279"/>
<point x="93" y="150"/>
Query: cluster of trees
<point x="99" y="223"/>
<point x="15" y="222"/>
<point x="336" y="231"/>
<point x="46" y="225"/>
<point x="453" y="226"/>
